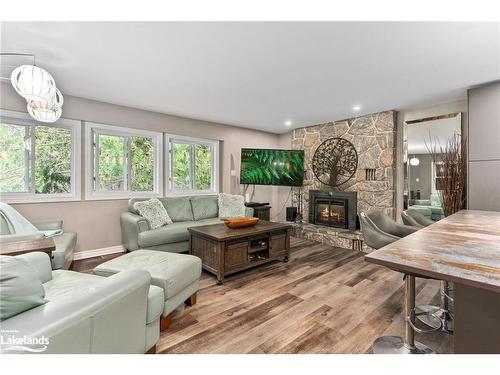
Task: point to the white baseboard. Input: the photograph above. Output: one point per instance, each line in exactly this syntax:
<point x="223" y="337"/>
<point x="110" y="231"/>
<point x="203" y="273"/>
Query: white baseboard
<point x="99" y="252"/>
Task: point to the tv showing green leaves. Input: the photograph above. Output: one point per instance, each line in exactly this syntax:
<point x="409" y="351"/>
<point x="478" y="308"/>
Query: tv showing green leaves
<point x="272" y="167"/>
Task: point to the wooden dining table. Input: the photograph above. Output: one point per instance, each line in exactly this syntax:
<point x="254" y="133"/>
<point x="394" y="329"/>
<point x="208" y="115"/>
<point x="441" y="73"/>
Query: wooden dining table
<point x="463" y="248"/>
<point x="45" y="245"/>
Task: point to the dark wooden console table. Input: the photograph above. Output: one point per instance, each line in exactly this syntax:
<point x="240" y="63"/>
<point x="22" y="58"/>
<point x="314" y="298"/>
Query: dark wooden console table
<point x="224" y="251"/>
<point x="260" y="210"/>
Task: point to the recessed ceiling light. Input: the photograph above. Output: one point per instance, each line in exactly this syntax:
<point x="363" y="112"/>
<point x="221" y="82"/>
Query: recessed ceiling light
<point x="288" y="123"/>
<point x="356" y="108"/>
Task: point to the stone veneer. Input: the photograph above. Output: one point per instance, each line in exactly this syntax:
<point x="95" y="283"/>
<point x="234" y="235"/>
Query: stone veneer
<point x="374" y="138"/>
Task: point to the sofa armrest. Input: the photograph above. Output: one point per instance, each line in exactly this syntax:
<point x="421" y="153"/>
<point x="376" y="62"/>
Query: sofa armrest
<point x="248" y="212"/>
<point x="132" y="225"/>
<point x="48" y="224"/>
<point x="41" y="263"/>
<point x="106" y="318"/>
<point x="7" y="238"/>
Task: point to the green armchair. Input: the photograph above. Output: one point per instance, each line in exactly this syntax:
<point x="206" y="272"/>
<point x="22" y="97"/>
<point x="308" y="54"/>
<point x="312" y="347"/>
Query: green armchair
<point x="65" y="243"/>
<point x="87" y="313"/>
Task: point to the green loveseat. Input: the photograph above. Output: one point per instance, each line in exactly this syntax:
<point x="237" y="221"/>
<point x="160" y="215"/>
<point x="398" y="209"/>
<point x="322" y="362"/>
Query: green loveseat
<point x="185" y="212"/>
<point x="65" y="243"/>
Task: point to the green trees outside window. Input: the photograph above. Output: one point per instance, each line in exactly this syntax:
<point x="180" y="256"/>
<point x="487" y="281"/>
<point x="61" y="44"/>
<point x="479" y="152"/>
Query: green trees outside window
<point x="35" y="158"/>
<point x="52" y="160"/>
<point x="203" y="167"/>
<point x="143" y="165"/>
<point x="14" y="161"/>
<point x="124" y="163"/>
<point x="111" y="163"/>
<point x="192" y="166"/>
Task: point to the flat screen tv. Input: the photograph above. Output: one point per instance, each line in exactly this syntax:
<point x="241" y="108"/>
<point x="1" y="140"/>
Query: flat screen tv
<point x="272" y="167"/>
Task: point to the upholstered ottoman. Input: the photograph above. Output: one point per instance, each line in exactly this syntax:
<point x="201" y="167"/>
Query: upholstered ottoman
<point x="177" y="274"/>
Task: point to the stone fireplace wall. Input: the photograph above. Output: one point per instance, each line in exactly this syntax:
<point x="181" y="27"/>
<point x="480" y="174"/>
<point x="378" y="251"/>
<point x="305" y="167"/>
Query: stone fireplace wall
<point x="373" y="137"/>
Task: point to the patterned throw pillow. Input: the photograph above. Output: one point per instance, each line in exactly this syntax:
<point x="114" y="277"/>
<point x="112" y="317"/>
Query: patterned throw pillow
<point x="231" y="206"/>
<point x="154" y="212"/>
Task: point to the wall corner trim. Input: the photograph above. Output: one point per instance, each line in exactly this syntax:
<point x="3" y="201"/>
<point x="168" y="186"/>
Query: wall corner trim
<point x="99" y="252"/>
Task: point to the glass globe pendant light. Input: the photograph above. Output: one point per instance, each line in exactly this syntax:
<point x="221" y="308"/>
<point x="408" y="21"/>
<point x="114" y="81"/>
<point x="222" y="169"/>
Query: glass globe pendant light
<point x="49" y="111"/>
<point x="414" y="161"/>
<point x="33" y="83"/>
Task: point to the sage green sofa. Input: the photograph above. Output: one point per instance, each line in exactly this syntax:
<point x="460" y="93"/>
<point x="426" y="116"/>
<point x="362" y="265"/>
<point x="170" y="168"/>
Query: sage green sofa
<point x="185" y="212"/>
<point x="65" y="243"/>
<point x="430" y="208"/>
<point x="87" y="313"/>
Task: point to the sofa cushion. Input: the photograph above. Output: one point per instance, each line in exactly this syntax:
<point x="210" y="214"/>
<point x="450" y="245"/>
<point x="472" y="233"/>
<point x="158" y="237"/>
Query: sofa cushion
<point x="435" y="200"/>
<point x="422" y="202"/>
<point x="204" y="207"/>
<point x="176" y="232"/>
<point x="154" y="212"/>
<point x="169" y="271"/>
<point x="65" y="284"/>
<point x="179" y="208"/>
<point x="231" y="205"/>
<point x="426" y="211"/>
<point x="20" y="287"/>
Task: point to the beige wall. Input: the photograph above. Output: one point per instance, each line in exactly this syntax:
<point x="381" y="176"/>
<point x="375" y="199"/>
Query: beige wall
<point x="97" y="222"/>
<point x="416" y="114"/>
<point x="284" y="196"/>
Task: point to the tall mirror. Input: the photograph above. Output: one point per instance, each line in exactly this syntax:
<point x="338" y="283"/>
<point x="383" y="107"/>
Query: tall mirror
<point x="421" y="171"/>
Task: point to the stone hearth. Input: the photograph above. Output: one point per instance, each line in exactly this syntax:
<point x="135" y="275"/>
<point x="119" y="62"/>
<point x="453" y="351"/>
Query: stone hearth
<point x="343" y="238"/>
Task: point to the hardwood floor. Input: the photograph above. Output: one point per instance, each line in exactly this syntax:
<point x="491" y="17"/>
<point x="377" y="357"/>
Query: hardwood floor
<point x="324" y="300"/>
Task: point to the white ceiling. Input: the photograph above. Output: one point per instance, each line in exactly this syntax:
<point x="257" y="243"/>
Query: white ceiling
<point x="258" y="74"/>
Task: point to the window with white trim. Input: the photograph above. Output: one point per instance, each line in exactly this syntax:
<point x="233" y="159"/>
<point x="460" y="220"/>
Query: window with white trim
<point x="38" y="161"/>
<point x="192" y="165"/>
<point x="122" y="162"/>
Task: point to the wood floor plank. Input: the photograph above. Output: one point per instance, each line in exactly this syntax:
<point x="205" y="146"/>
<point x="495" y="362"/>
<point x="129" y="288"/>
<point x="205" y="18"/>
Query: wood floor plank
<point x="253" y="338"/>
<point x="209" y="340"/>
<point x="288" y="335"/>
<point x="324" y="300"/>
<point x="317" y="339"/>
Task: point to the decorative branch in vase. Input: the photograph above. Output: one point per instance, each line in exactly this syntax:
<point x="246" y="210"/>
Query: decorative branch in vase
<point x="451" y="173"/>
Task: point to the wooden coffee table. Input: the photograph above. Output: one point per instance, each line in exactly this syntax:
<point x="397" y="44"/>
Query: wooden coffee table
<point x="224" y="251"/>
<point x="45" y="245"/>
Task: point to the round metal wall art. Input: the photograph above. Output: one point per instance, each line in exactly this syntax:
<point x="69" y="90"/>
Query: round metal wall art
<point x="335" y="161"/>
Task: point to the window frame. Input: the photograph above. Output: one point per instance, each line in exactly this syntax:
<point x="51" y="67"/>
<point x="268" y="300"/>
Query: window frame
<point x="214" y="188"/>
<point x="90" y="162"/>
<point x="23" y="119"/>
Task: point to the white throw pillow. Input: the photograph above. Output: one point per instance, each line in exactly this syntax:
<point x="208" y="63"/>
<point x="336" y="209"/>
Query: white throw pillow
<point x="154" y="212"/>
<point x="231" y="206"/>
